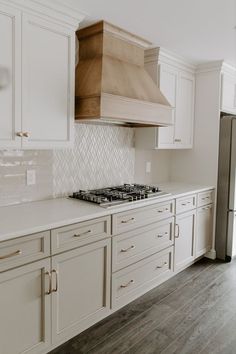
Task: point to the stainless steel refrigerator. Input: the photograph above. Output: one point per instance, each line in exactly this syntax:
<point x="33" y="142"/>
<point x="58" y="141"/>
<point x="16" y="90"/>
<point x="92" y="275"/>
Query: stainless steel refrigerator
<point x="226" y="195"/>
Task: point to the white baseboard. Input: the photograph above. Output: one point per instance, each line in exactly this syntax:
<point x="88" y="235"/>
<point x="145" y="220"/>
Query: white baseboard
<point x="211" y="254"/>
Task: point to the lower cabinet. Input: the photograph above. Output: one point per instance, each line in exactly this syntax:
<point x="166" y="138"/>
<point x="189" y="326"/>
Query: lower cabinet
<point x="184" y="239"/>
<point x="204" y="230"/>
<point x="135" y="280"/>
<point x="80" y="289"/>
<point x="25" y="325"/>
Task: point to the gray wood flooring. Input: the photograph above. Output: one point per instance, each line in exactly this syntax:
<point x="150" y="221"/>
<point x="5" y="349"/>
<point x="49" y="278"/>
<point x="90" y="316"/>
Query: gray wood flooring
<point x="192" y="313"/>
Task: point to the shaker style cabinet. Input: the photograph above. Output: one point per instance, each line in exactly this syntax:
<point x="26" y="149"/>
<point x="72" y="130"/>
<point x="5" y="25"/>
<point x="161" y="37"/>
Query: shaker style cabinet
<point x="25" y="325"/>
<point x="10" y="77"/>
<point x="36" y="81"/>
<point x="177" y="82"/>
<point x="204" y="230"/>
<point x="228" y="89"/>
<point x="81" y="289"/>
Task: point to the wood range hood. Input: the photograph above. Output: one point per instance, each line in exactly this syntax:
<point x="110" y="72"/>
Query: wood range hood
<point x="112" y="85"/>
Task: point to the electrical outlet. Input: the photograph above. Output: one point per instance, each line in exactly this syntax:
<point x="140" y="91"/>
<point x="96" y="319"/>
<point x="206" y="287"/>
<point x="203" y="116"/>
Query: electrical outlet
<point x="148" y="167"/>
<point x="30" y="177"/>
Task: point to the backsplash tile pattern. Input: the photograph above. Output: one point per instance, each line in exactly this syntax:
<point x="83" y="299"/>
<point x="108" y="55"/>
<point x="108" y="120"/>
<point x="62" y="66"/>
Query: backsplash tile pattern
<point x="101" y="156"/>
<point x="13" y="166"/>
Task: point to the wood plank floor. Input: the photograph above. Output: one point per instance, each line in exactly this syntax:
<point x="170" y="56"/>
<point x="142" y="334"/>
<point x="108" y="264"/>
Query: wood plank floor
<point x="192" y="313"/>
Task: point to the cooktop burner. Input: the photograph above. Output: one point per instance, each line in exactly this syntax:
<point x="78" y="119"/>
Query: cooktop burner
<point x="107" y="197"/>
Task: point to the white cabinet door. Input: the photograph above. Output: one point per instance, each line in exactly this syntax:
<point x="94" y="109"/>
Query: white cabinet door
<point x="82" y="294"/>
<point x="47" y="83"/>
<point x="228" y="93"/>
<point x="168" y="82"/>
<point x="25" y="309"/>
<point x="10" y="71"/>
<point x="184" y="240"/>
<point x="204" y="230"/>
<point x="185" y="111"/>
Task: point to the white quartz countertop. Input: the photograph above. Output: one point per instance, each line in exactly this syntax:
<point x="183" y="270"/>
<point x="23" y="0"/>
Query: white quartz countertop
<point x="28" y="218"/>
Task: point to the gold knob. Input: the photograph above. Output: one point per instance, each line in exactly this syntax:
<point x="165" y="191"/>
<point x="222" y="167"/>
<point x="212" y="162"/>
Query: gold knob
<point x="20" y="134"/>
<point x="26" y="134"/>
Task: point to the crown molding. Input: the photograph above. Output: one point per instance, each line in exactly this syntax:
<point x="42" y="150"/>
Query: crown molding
<point x="55" y="10"/>
<point x="160" y="55"/>
<point x="210" y="66"/>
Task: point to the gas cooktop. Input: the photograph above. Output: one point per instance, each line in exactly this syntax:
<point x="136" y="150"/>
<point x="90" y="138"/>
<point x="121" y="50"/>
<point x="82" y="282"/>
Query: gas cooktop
<point x="108" y="197"/>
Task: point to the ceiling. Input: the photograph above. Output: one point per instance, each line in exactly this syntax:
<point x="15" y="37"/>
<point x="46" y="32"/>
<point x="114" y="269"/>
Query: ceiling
<point x="200" y="30"/>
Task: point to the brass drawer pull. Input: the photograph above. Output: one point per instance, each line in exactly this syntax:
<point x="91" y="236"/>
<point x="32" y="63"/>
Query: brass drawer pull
<point x="161" y="266"/>
<point x="162" y="235"/>
<point x="163" y="210"/>
<point x="83" y="233"/>
<point x="129" y="283"/>
<point x="203" y="198"/>
<point x="178" y="140"/>
<point x="126" y="221"/>
<point x="127" y="249"/>
<point x="184" y="204"/>
<point x="54" y="290"/>
<point x="20" y="134"/>
<point x="26" y="134"/>
<point x="16" y="253"/>
<point x="177" y="236"/>
<point x="206" y="208"/>
<point x="50" y="283"/>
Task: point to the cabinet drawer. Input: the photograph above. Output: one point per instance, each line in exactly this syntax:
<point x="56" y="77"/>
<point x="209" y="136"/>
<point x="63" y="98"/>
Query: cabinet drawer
<point x="130" y="220"/>
<point x="16" y="252"/>
<point x="186" y="203"/>
<point x="135" y="245"/>
<point x="76" y="235"/>
<point x="135" y="280"/>
<point x="205" y="198"/>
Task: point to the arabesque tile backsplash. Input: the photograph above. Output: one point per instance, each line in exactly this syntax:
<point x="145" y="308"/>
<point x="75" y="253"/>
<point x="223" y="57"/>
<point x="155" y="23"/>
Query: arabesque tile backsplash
<point x="101" y="156"/>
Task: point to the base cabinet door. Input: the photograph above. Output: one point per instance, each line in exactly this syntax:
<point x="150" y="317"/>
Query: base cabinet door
<point x="80" y="289"/>
<point x="204" y="230"/>
<point x="10" y="71"/>
<point x="184" y="240"/>
<point x="25" y="309"/>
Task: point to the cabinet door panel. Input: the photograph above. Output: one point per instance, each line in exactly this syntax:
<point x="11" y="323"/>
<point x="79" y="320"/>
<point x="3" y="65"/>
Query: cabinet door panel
<point x="168" y="80"/>
<point x="185" y="111"/>
<point x="228" y="93"/>
<point x="204" y="230"/>
<point x="83" y="295"/>
<point x="185" y="239"/>
<point x="25" y="310"/>
<point x="10" y="69"/>
<point x="48" y="79"/>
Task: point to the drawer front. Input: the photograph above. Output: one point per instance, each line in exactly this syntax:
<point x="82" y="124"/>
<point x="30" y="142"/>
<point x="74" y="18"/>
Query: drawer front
<point x="135" y="280"/>
<point x="76" y="235"/>
<point x="133" y="246"/>
<point x="16" y="252"/>
<point x="186" y="203"/>
<point x="135" y="218"/>
<point x="205" y="198"/>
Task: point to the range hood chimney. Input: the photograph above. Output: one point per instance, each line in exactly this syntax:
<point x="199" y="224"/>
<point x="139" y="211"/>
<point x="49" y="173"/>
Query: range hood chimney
<point x="112" y="85"/>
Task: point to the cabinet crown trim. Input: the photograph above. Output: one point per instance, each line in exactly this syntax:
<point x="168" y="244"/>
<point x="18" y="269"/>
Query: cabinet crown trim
<point x="67" y="15"/>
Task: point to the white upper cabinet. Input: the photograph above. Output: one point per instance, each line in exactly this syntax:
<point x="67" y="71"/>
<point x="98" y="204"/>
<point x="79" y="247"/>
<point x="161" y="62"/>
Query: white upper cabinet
<point x="10" y="77"/>
<point x="37" y="65"/>
<point x="176" y="80"/>
<point x="228" y="89"/>
<point x="47" y="83"/>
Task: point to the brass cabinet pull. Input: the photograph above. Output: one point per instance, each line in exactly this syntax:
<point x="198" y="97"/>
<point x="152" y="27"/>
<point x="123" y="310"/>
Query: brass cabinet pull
<point x="26" y="134"/>
<point x="16" y="253"/>
<point x="20" y="134"/>
<point x="126" y="221"/>
<point x="54" y="290"/>
<point x="203" y="198"/>
<point x="50" y="283"/>
<point x="83" y="233"/>
<point x="162" y="235"/>
<point x="129" y="283"/>
<point x="161" y="266"/>
<point x="163" y="210"/>
<point x="186" y="203"/>
<point x="127" y="249"/>
<point x="178" y="140"/>
<point x="207" y="208"/>
<point x="177" y="236"/>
